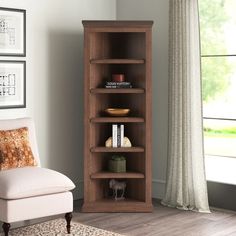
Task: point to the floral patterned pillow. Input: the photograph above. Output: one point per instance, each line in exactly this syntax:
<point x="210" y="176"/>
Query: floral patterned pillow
<point x="15" y="150"/>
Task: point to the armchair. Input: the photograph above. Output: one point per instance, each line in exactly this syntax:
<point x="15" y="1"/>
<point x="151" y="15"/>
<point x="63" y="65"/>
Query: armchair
<point x="32" y="192"/>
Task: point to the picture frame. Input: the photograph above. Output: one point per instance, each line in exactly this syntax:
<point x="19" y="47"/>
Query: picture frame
<point x="12" y="32"/>
<point x="12" y="84"/>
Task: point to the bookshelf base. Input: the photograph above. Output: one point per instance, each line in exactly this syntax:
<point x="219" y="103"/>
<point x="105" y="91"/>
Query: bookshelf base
<point x="110" y="205"/>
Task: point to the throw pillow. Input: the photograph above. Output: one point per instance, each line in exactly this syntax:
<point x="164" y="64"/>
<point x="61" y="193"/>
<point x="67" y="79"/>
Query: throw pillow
<point x="15" y="150"/>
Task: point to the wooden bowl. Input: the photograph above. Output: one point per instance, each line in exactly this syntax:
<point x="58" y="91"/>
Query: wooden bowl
<point x="117" y="111"/>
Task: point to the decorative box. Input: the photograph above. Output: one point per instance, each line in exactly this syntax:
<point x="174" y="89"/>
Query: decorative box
<point x="117" y="164"/>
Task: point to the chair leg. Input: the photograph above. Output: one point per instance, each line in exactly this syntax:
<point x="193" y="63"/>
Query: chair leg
<point x="6" y="228"/>
<point x="68" y="217"/>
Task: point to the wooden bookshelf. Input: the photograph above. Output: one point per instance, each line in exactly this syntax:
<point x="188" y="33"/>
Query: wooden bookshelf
<point x="117" y="47"/>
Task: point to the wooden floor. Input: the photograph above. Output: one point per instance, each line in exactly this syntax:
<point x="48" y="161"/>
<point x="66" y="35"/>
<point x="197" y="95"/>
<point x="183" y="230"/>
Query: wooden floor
<point x="163" y="221"/>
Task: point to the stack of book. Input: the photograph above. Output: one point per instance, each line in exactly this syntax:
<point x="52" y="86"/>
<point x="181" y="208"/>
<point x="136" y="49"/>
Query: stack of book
<point x="118" y="85"/>
<point x="117" y="135"/>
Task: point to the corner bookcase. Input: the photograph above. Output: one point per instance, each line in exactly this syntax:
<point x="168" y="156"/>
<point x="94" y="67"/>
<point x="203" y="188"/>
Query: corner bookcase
<point x="117" y="47"/>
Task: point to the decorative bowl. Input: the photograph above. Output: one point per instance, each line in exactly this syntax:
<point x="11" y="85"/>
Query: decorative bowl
<point x="117" y="111"/>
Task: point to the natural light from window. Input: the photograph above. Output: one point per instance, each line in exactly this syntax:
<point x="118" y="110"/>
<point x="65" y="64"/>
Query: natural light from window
<point x="218" y="51"/>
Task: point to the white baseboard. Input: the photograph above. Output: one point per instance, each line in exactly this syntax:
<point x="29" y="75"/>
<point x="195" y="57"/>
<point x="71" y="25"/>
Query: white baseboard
<point x="158" y="188"/>
<point x="78" y="192"/>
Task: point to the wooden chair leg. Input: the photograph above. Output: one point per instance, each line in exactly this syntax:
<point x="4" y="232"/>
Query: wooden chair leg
<point x="68" y="217"/>
<point x="6" y="228"/>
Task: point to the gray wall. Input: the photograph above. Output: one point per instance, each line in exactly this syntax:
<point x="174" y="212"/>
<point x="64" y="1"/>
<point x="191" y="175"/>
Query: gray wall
<point x="156" y="10"/>
<point x="55" y="77"/>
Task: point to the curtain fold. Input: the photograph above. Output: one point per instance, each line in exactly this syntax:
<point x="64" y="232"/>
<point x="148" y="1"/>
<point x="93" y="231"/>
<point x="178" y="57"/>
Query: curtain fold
<point x="186" y="183"/>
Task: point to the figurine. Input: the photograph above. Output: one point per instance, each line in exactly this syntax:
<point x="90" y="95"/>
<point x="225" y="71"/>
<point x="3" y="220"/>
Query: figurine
<point x="115" y="186"/>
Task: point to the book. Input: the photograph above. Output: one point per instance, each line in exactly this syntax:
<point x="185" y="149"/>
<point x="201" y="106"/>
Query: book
<point x="114" y="135"/>
<point x="122" y="135"/>
<point x="117" y="83"/>
<point x="118" y="86"/>
<point x="118" y="136"/>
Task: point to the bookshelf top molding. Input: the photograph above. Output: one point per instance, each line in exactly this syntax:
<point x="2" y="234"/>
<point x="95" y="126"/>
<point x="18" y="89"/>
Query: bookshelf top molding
<point x="117" y="23"/>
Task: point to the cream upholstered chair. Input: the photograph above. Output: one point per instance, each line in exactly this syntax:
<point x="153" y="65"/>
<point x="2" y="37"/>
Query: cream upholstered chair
<point x="32" y="192"/>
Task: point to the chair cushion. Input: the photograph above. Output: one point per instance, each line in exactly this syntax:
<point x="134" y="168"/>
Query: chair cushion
<point x="15" y="150"/>
<point x="32" y="181"/>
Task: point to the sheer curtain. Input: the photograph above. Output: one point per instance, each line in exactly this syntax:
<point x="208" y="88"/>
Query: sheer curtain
<point x="186" y="183"/>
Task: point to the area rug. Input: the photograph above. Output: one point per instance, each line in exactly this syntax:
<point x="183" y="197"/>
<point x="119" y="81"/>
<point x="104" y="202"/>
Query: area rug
<point x="58" y="228"/>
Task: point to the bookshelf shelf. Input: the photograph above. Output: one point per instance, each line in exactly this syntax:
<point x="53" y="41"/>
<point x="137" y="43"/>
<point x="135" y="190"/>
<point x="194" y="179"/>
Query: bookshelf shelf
<point x="109" y="175"/>
<point x="117" y="120"/>
<point x="117" y="90"/>
<point x="117" y="47"/>
<point x="117" y="149"/>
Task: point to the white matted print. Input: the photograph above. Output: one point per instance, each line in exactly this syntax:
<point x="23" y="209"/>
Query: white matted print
<point x="12" y="32"/>
<point x="12" y="84"/>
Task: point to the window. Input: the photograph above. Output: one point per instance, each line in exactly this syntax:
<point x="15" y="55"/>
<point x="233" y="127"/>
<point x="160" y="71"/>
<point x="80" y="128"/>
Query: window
<point x="218" y="54"/>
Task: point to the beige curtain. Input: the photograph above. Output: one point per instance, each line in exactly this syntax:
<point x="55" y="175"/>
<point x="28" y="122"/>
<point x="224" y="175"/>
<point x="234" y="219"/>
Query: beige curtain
<point x="186" y="183"/>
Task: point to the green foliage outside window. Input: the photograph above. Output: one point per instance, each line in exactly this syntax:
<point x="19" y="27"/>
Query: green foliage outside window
<point x="215" y="71"/>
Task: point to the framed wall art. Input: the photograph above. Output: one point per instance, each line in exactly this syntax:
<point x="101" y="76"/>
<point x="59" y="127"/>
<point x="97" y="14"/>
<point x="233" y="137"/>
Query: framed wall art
<point x="12" y="84"/>
<point x="12" y="32"/>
